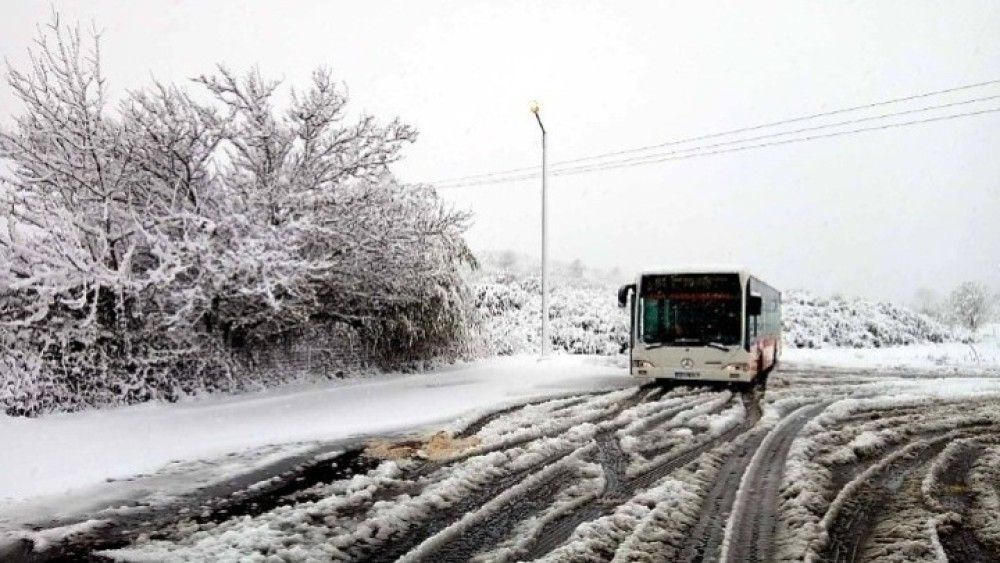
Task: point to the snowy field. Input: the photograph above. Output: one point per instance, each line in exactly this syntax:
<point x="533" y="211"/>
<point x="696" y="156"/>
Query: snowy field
<point x="948" y="357"/>
<point x="980" y="355"/>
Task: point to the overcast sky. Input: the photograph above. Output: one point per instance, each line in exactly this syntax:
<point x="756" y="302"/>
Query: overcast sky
<point x="876" y="214"/>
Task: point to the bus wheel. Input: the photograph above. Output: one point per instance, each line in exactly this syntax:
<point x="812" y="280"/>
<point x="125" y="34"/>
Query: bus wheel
<point x="761" y="380"/>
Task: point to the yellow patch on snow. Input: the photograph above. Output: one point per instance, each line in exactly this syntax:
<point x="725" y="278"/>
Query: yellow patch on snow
<point x="956" y="489"/>
<point x="437" y="447"/>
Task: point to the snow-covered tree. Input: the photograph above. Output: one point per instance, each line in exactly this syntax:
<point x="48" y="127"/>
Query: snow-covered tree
<point x="970" y="304"/>
<point x="148" y="244"/>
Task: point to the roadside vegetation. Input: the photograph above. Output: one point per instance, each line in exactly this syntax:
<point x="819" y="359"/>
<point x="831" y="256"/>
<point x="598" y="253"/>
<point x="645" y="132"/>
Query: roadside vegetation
<point x="178" y="238"/>
<point x="585" y="318"/>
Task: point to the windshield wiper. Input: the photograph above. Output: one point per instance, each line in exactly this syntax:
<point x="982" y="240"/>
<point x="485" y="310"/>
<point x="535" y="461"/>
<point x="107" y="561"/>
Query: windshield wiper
<point x="698" y="341"/>
<point x="717" y="346"/>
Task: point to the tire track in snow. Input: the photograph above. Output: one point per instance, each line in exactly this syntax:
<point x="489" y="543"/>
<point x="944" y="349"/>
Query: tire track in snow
<point x="959" y="542"/>
<point x="292" y="485"/>
<point x="657" y="451"/>
<point x="481" y="422"/>
<point x="858" y="510"/>
<point x="496" y="518"/>
<point x="645" y="393"/>
<point x="705" y="540"/>
<point x="400" y="544"/>
<point x="614" y="463"/>
<point x="751" y="401"/>
<point x="242" y="496"/>
<point x="750" y="531"/>
<point x="654" y="420"/>
<point x="557" y="531"/>
<point x="844" y="474"/>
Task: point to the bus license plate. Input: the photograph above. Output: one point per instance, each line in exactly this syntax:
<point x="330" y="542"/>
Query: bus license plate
<point x="686" y="374"/>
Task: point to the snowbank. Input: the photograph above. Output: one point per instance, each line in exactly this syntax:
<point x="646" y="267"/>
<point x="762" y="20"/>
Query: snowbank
<point x="951" y="356"/>
<point x="123" y="442"/>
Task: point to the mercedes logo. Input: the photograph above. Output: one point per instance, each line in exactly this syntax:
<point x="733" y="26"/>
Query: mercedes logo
<point x="687" y="363"/>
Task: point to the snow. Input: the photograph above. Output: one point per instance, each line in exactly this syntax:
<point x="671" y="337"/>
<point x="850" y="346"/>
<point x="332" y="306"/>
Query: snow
<point x="342" y="538"/>
<point x="122" y="442"/>
<point x="930" y="486"/>
<point x="427" y="549"/>
<point x="42" y="539"/>
<point x="590" y="481"/>
<point x="932" y="533"/>
<point x="980" y="355"/>
<point x="158" y="451"/>
<point x="352" y="519"/>
<point x="950" y="356"/>
<point x="651" y="525"/>
<point x="909" y="410"/>
<point x="757" y="464"/>
<point x="983" y="480"/>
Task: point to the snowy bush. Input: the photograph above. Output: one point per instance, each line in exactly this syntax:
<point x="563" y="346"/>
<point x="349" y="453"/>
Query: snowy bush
<point x="813" y="322"/>
<point x="148" y="250"/>
<point x="583" y="315"/>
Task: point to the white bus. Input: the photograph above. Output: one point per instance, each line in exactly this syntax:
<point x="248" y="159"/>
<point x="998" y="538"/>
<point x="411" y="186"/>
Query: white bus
<point x="702" y="325"/>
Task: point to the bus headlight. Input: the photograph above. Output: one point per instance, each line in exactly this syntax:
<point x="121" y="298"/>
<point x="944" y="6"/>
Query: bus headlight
<point x="736" y="367"/>
<point x="642" y="364"/>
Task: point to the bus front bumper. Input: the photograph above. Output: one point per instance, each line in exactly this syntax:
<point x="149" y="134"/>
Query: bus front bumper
<point x="694" y="374"/>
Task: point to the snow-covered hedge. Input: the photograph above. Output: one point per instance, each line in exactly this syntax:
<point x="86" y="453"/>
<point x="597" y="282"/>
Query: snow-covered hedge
<point x="585" y="319"/>
<point x="815" y="322"/>
<point x="162" y="246"/>
<point x="583" y="316"/>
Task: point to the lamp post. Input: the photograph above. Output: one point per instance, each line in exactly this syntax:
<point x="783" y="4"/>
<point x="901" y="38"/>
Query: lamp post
<point x="545" y="295"/>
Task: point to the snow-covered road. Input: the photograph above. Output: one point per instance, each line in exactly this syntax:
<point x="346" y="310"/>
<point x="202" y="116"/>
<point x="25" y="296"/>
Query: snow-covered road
<point x="59" y="465"/>
<point x="570" y="460"/>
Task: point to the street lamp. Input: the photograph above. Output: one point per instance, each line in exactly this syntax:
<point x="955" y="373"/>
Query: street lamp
<point x="545" y="295"/>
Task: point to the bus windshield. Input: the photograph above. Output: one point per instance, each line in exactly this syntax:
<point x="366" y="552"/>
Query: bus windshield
<point x="691" y="309"/>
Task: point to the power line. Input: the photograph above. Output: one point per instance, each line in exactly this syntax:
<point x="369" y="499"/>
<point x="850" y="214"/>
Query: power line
<point x="727" y="132"/>
<point x="792" y="132"/>
<point x="611" y="166"/>
<point x="797" y="139"/>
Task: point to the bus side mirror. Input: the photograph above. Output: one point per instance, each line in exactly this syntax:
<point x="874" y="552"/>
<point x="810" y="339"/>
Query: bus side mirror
<point x="754" y="305"/>
<point x="623" y="292"/>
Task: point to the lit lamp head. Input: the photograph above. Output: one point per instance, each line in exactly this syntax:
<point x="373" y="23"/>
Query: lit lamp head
<point x="534" y="107"/>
